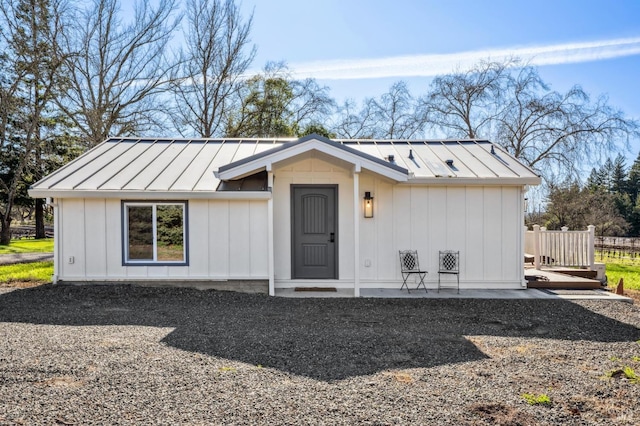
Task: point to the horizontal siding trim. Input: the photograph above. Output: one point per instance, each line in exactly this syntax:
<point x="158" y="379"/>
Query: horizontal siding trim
<point x="154" y="195"/>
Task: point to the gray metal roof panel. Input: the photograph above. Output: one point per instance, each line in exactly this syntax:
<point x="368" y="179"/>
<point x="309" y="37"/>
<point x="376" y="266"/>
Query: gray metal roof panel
<point x="133" y="164"/>
<point x="198" y="166"/>
<point x="304" y="139"/>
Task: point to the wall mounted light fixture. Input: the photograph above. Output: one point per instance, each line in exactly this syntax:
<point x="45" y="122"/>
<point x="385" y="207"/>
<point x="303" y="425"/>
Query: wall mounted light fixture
<point x="368" y="205"/>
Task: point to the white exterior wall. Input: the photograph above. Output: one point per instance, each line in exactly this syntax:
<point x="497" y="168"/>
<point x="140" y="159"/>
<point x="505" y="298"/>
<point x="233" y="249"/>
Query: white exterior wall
<point x="483" y="222"/>
<point x="312" y="171"/>
<point x="227" y="241"/>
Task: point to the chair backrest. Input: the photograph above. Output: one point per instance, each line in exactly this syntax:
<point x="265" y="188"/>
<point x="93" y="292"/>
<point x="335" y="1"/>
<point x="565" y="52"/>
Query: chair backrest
<point x="409" y="261"/>
<point x="449" y="261"/>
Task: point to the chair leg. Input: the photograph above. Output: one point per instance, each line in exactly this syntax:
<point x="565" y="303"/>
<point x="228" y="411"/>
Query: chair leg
<point x="404" y="283"/>
<point x="422" y="277"/>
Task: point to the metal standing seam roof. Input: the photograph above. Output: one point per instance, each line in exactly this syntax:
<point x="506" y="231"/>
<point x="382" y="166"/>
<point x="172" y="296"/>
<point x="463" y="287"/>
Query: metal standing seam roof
<point x="188" y="165"/>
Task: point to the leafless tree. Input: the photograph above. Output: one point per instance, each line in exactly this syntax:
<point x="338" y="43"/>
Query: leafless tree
<point x="119" y="70"/>
<point x="553" y="131"/>
<point x="465" y="104"/>
<point x="217" y="53"/>
<point x="352" y="124"/>
<point x="394" y="115"/>
<point x="397" y="114"/>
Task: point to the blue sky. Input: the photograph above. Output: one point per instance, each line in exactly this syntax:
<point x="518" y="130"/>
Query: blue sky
<point x="359" y="48"/>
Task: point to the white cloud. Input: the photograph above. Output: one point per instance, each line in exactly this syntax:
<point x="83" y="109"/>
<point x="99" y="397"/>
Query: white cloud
<point x="431" y="65"/>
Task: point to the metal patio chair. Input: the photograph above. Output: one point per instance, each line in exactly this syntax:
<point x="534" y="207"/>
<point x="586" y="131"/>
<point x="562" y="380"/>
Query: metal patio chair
<point x="409" y="266"/>
<point x="449" y="264"/>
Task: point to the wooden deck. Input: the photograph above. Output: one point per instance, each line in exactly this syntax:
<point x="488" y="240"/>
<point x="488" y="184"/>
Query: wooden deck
<point x="560" y="278"/>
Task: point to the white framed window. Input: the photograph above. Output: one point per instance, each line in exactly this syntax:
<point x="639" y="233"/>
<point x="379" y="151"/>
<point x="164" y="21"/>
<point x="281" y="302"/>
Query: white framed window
<point x="154" y="233"/>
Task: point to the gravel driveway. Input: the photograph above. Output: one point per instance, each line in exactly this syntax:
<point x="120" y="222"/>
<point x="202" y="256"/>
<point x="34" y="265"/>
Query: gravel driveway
<point x="135" y="355"/>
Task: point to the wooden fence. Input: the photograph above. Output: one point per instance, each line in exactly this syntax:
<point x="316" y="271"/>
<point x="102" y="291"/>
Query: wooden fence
<point x="561" y="248"/>
<point x="26" y="232"/>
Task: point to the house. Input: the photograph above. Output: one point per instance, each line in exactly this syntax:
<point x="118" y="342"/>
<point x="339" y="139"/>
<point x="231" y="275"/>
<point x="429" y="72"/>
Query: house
<point x="264" y="214"/>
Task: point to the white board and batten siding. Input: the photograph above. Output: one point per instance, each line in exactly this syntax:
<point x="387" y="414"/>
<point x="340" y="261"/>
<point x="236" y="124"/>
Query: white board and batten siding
<point x="482" y="222"/>
<point x="227" y="241"/>
<point x="314" y="171"/>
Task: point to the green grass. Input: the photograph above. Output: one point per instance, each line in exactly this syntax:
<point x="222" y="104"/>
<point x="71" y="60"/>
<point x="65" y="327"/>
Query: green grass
<point x="38" y="272"/>
<point x="28" y="246"/>
<point x="626" y="372"/>
<point x="533" y="399"/>
<point x="630" y="273"/>
<point x="622" y="265"/>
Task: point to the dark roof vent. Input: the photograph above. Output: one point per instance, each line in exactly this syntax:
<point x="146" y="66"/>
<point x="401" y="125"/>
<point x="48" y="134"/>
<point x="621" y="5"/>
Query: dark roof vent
<point x="410" y="154"/>
<point x="493" y="151"/>
<point x="391" y="158"/>
<point x="449" y="163"/>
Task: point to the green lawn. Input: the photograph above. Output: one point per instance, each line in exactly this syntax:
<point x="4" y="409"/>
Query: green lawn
<point x="625" y="266"/>
<point x="28" y="246"/>
<point x="630" y="273"/>
<point x="36" y="272"/>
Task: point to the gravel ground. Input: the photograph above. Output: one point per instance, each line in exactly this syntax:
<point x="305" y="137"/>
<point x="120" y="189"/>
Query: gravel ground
<point x="135" y="355"/>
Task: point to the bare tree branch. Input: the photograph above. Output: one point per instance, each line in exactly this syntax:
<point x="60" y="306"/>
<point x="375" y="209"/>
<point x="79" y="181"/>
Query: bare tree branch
<point x="118" y="71"/>
<point x="216" y="55"/>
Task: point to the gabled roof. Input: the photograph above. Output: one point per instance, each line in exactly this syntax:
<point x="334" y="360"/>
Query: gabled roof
<point x="192" y="168"/>
<point x="264" y="160"/>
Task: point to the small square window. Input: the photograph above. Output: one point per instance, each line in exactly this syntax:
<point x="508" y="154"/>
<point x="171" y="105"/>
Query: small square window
<point x="155" y="233"/>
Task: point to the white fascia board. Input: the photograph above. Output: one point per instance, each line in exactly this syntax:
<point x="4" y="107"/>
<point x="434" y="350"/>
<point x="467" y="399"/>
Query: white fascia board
<point x="154" y="195"/>
<point x="266" y="161"/>
<point x="453" y="181"/>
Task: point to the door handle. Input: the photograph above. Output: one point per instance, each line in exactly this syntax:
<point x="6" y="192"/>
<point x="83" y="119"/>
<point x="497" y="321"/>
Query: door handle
<point x="332" y="237"/>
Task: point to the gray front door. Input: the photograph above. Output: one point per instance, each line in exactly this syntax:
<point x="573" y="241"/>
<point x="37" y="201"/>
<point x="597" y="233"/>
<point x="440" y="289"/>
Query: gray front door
<point x="314" y="218"/>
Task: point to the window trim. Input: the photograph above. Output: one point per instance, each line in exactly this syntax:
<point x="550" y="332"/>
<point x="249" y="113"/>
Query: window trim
<point x="125" y="232"/>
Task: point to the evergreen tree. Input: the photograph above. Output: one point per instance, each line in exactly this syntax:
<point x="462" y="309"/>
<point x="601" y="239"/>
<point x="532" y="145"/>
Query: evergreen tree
<point x="273" y="104"/>
<point x="31" y="67"/>
<point x="619" y="175"/>
<point x="633" y="183"/>
<point x="595" y="180"/>
<point x="606" y="174"/>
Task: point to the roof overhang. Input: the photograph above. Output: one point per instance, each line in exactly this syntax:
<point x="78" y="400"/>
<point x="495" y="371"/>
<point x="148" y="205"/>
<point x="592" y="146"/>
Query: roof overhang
<point x="152" y="195"/>
<point x="453" y="181"/>
<point x="265" y="160"/>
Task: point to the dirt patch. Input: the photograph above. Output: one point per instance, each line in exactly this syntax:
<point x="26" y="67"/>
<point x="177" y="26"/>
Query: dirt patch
<point x="20" y="284"/>
<point x="634" y="294"/>
<point x="500" y="414"/>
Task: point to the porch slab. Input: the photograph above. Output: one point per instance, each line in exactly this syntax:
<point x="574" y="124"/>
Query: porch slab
<point x="464" y="294"/>
<point x="552" y="279"/>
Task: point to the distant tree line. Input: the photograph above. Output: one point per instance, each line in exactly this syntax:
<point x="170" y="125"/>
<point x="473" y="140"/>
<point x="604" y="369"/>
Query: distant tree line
<point x="74" y="73"/>
<point x="609" y="199"/>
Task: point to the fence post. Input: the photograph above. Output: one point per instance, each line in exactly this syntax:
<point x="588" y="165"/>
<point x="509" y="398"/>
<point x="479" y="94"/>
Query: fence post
<point x="536" y="246"/>
<point x="564" y="247"/>
<point x="592" y="245"/>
